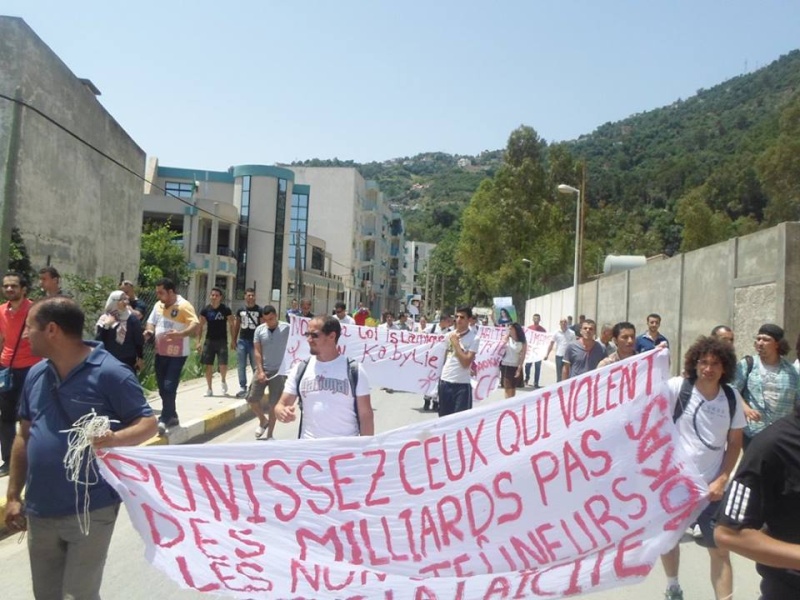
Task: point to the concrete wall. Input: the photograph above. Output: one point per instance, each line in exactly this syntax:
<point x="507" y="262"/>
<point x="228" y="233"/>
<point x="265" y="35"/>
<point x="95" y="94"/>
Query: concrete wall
<point x="743" y="283"/>
<point x="69" y="202"/>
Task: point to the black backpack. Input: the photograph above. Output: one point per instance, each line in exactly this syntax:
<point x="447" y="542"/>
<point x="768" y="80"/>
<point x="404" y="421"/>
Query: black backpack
<point x="686" y="393"/>
<point x="352" y="375"/>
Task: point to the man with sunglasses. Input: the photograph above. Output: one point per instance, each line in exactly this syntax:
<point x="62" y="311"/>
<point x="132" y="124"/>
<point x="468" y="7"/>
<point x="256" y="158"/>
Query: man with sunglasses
<point x="455" y="389"/>
<point x="331" y="408"/>
<point x="708" y="415"/>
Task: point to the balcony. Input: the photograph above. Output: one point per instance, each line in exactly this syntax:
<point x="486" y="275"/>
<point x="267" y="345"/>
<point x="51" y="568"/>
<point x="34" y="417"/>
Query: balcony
<point x="221" y="250"/>
<point x="226" y="259"/>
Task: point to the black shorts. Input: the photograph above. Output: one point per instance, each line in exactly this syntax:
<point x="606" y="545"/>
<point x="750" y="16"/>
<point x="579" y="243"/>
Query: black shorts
<point x="212" y="349"/>
<point x="508" y="377"/>
<point x="707" y="520"/>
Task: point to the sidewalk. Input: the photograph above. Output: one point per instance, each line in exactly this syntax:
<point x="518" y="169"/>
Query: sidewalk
<point x="199" y="415"/>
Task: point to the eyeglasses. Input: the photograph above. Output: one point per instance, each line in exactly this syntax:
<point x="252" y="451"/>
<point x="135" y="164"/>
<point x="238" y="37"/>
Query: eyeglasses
<point x="709" y="364"/>
<point x="312" y="334"/>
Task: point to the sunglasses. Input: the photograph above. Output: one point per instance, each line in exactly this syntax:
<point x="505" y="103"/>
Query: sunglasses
<point x="311" y="334"/>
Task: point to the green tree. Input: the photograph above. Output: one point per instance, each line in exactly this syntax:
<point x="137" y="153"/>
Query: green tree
<point x="701" y="225"/>
<point x="18" y="258"/>
<point x="517" y="214"/>
<point x="162" y="256"/>
<point x="779" y="168"/>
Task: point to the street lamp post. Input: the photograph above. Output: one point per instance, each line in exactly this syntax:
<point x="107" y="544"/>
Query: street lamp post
<point x="568" y="189"/>
<point x="530" y="267"/>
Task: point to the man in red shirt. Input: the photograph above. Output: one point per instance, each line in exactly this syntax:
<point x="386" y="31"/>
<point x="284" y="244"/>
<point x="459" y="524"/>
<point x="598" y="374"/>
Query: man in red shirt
<point x="361" y="315"/>
<point x="16" y="354"/>
<point x="538" y="364"/>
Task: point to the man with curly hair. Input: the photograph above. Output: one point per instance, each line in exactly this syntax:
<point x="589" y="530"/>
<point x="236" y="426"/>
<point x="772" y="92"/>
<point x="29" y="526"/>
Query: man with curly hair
<point x="708" y="415"/>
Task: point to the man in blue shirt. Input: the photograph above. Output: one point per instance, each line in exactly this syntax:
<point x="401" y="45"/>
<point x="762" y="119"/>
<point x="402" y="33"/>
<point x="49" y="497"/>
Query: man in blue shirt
<point x="651" y="338"/>
<point x="76" y="378"/>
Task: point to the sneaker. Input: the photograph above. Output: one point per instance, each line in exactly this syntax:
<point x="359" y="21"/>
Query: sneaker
<point x="270" y="439"/>
<point x="260" y="430"/>
<point x="224" y="389"/>
<point x="173" y="422"/>
<point x="241" y="394"/>
<point x="673" y="593"/>
<point x="4" y="470"/>
<point x="209" y="392"/>
<point x="162" y="428"/>
<point x="697" y="532"/>
<point x="426" y="404"/>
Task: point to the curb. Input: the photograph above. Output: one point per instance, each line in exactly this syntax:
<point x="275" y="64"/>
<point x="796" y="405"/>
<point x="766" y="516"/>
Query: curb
<point x="192" y="430"/>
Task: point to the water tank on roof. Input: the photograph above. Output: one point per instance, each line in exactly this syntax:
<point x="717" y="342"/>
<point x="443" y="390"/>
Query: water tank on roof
<point x="618" y="264"/>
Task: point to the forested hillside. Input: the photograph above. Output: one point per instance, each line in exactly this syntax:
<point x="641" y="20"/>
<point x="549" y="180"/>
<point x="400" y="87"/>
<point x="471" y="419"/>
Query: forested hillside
<point x="724" y="162"/>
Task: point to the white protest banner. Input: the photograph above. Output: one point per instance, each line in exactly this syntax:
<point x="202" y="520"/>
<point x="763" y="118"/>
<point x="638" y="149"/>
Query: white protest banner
<point x="400" y="360"/>
<point x="486" y="366"/>
<point x="571" y="489"/>
<point x="538" y="342"/>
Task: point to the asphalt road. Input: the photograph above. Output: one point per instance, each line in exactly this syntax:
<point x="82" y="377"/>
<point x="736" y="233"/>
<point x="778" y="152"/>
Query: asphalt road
<point x="128" y="576"/>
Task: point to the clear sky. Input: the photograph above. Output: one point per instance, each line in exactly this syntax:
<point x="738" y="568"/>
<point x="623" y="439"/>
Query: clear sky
<point x="208" y="84"/>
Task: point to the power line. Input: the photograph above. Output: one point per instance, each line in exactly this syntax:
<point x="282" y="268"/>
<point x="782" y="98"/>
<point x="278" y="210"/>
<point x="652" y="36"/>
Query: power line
<point x="127" y="169"/>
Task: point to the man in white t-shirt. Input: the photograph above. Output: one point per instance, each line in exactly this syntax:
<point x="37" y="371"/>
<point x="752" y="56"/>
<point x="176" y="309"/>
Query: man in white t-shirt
<point x="340" y="312"/>
<point x="455" y="389"/>
<point x="330" y="406"/>
<point x="710" y="420"/>
<point x="561" y="339"/>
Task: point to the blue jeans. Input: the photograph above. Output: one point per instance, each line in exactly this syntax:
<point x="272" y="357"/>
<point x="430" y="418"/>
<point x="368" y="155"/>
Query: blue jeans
<point x="168" y="376"/>
<point x="245" y="349"/>
<point x="454" y="397"/>
<point x="559" y="365"/>
<point x="537" y="372"/>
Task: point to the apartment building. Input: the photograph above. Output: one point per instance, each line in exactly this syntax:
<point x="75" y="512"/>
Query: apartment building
<point x="244" y="227"/>
<point x="416" y="256"/>
<point x="364" y="235"/>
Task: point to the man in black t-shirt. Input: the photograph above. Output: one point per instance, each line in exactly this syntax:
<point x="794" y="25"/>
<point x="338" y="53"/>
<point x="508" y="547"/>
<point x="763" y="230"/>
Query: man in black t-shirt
<point x="248" y="317"/>
<point x="219" y="319"/>
<point x="759" y="517"/>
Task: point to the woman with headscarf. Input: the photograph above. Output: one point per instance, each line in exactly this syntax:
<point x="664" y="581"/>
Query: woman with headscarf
<point x="121" y="331"/>
<point x="767" y="381"/>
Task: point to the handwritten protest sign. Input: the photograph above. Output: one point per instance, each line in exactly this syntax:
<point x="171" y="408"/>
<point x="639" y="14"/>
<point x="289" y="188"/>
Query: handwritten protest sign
<point x="538" y="343"/>
<point x="570" y="489"/>
<point x="400" y="360"/>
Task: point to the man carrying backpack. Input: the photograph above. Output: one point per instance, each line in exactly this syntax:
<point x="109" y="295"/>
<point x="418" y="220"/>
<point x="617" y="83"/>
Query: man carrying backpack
<point x="708" y="415"/>
<point x="333" y="390"/>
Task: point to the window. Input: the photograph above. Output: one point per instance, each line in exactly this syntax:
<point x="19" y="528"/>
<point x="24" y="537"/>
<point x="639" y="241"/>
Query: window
<point x="244" y="213"/>
<point x="280" y="221"/>
<point x="317" y="258"/>
<point x="181" y="190"/>
<point x="298" y="225"/>
<point x="244" y="220"/>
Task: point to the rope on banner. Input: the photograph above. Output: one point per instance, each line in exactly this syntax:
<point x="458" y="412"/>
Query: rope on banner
<point x="79" y="462"/>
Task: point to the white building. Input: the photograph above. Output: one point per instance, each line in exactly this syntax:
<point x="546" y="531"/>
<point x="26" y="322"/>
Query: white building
<point x="243" y="228"/>
<point x="416" y="256"/>
<point x="364" y="236"/>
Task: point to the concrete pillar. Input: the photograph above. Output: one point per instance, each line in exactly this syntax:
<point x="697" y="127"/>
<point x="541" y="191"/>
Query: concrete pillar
<point x="213" y="259"/>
